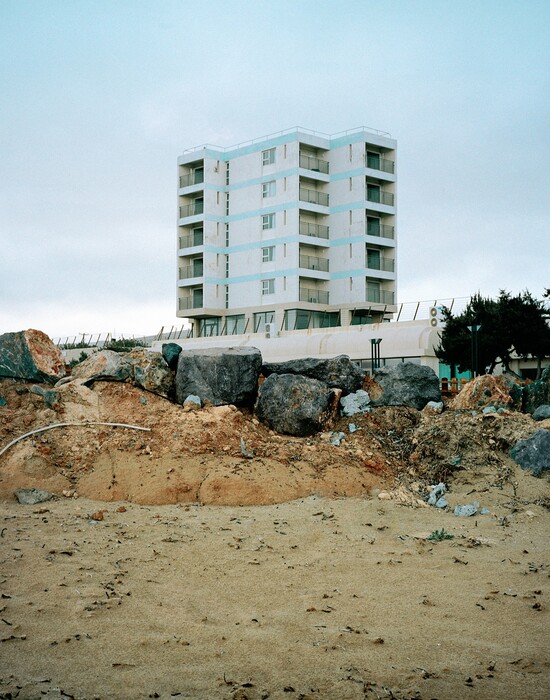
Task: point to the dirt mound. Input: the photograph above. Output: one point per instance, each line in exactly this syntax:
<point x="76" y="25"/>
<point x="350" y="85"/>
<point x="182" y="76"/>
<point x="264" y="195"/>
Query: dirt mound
<point x="225" y="456"/>
<point x="187" y="456"/>
<point x="487" y="390"/>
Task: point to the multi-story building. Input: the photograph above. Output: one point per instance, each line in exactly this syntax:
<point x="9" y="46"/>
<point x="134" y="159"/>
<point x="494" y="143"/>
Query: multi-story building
<point x="290" y="231"/>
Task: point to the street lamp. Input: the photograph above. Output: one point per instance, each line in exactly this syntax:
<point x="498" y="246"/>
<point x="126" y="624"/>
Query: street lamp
<point x="375" y="353"/>
<point x="474" y="330"/>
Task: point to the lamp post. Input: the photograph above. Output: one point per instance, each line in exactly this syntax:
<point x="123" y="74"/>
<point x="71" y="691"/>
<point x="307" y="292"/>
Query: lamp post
<point x="474" y="330"/>
<point x="375" y="353"/>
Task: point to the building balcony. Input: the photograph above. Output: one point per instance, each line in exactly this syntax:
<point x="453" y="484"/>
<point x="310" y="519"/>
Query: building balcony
<point x="378" y="196"/>
<point x="313" y="197"/>
<point x="380" y="296"/>
<point x="380" y="263"/>
<point x="313" y="296"/>
<point x="194" y="178"/>
<point x="191" y="301"/>
<point x="375" y="228"/>
<point x="311" y="262"/>
<point x="190" y="240"/>
<point x="318" y="165"/>
<point x="193" y="209"/>
<point x="189" y="271"/>
<point x="374" y="161"/>
<point x="316" y="230"/>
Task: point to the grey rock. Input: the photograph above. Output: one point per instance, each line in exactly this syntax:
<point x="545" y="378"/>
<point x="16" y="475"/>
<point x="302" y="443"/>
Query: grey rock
<point x="50" y="396"/>
<point x="537" y="393"/>
<point x="151" y="372"/>
<point x="171" y="353"/>
<point x="467" y="510"/>
<point x="356" y="403"/>
<point x="436" y="492"/>
<point x="294" y="404"/>
<point x="30" y="355"/>
<point x="407" y="384"/>
<point x="105" y="365"/>
<point x="542" y="412"/>
<point x="339" y="372"/>
<point x="336" y="438"/>
<point x="219" y="375"/>
<point x="533" y="454"/>
<point x="435" y="406"/>
<point x="352" y="427"/>
<point x="29" y="497"/>
<point x="489" y="409"/>
<point x="192" y="402"/>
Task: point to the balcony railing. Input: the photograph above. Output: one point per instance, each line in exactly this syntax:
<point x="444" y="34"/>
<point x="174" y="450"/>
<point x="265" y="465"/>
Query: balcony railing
<point x="384" y="264"/>
<point x="191" y="239"/>
<point x="318" y="230"/>
<point x="313" y="296"/>
<point x="380" y="230"/>
<point x="191" y="209"/>
<point x="311" y="262"/>
<point x="380" y="197"/>
<point x="379" y="296"/>
<point x="313" y="197"/>
<point x="190" y="302"/>
<point x="195" y="178"/>
<point x="189" y="271"/>
<point x="378" y="163"/>
<point x="313" y="163"/>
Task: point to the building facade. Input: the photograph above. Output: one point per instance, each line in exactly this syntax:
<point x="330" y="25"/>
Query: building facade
<point x="287" y="232"/>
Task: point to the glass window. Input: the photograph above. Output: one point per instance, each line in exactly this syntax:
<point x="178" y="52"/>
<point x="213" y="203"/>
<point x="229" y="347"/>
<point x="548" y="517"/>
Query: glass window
<point x="268" y="156"/>
<point x="268" y="189"/>
<point x="268" y="254"/>
<point x="268" y="221"/>
<point x="261" y="318"/>
<point x="268" y="286"/>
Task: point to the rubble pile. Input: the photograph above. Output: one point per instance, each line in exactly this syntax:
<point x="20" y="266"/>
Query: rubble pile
<point x="184" y="427"/>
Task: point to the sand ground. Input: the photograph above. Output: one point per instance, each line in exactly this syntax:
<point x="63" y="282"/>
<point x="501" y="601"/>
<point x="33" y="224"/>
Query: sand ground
<point x="314" y="598"/>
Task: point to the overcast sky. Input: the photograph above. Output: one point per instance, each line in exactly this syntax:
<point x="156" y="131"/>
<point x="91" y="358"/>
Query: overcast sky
<point x="99" y="97"/>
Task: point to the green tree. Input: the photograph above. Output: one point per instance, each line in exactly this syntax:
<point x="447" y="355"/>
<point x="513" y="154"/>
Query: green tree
<point x="506" y="324"/>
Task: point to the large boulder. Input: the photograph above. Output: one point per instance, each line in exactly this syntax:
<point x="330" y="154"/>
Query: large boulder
<point x="151" y="372"/>
<point x="537" y="393"/>
<point x="339" y="372"/>
<point x="30" y="355"/>
<point x="105" y="365"/>
<point x="407" y="384"/>
<point x="533" y="453"/>
<point x="219" y="375"/>
<point x="294" y="404"/>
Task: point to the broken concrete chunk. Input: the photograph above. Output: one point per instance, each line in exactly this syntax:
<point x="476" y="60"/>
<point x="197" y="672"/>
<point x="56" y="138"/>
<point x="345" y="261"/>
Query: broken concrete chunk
<point x="355" y="404"/>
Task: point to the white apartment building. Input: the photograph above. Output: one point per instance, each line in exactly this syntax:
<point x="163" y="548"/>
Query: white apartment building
<point x="290" y="231"/>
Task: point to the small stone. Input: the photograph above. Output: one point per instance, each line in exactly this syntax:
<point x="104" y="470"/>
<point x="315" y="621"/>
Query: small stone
<point x="30" y="497"/>
<point x="467" y="510"/>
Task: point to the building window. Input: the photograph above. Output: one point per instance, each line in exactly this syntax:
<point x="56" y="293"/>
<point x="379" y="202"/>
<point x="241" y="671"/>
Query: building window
<point x="226" y="296"/>
<point x="227" y="266"/>
<point x="261" y="318"/>
<point x="268" y="286"/>
<point x="268" y="157"/>
<point x="268" y="189"/>
<point x="227" y="204"/>
<point x="268" y="221"/>
<point x="226" y="235"/>
<point x="227" y="172"/>
<point x="268" y="254"/>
